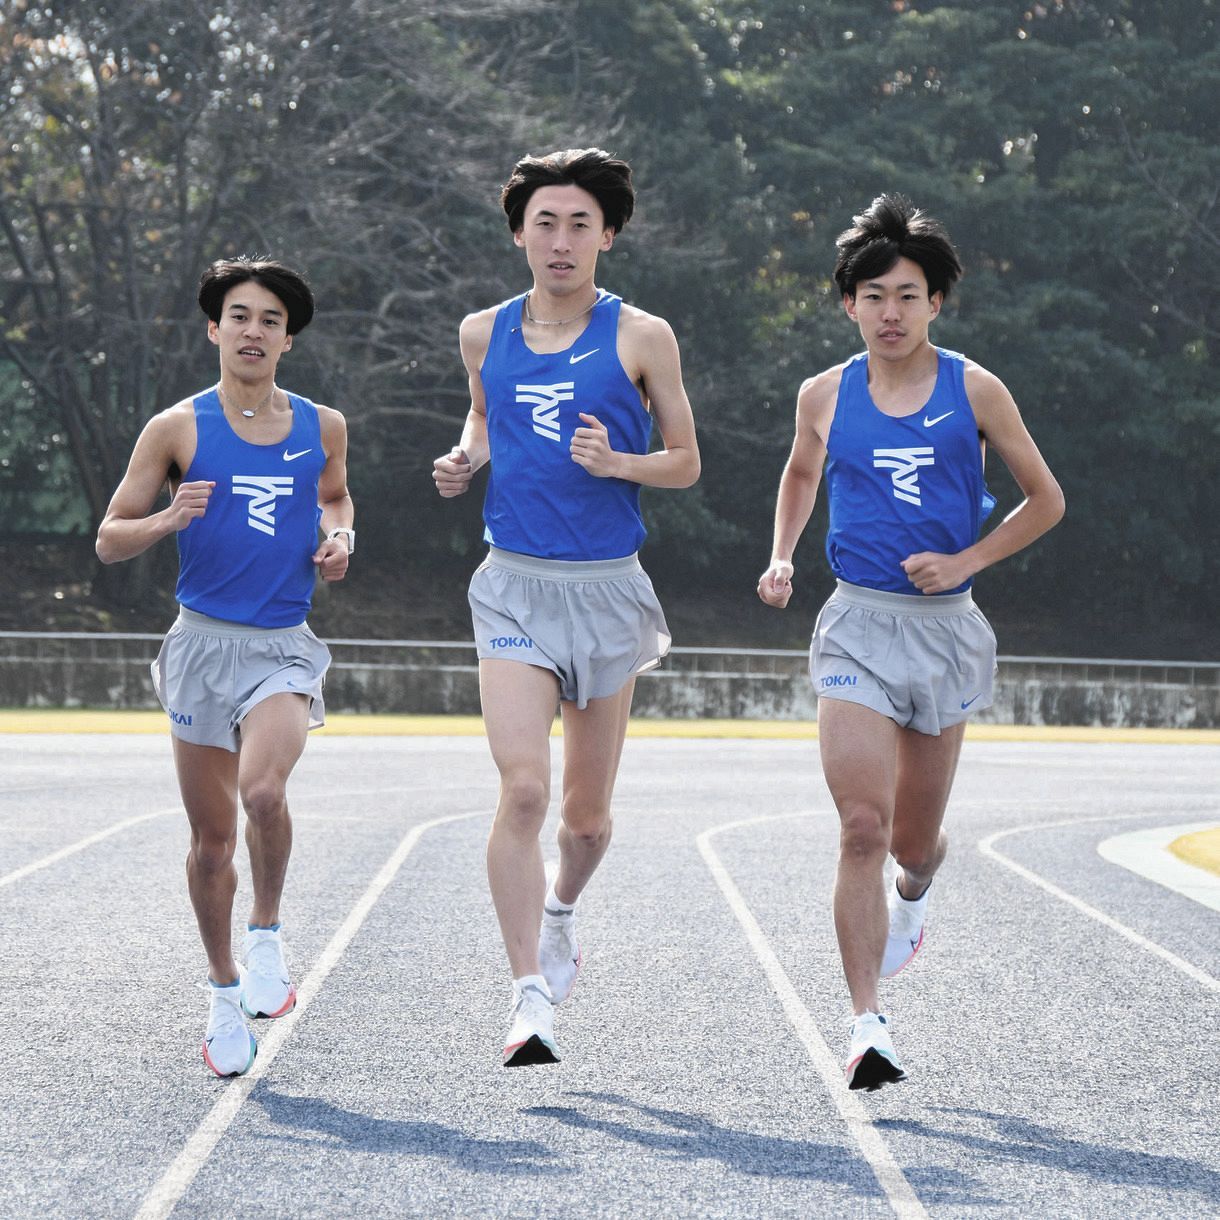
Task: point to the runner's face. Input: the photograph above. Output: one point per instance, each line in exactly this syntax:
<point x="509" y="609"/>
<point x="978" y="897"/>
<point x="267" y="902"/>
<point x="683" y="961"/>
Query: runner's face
<point x="894" y="310"/>
<point x="562" y="233"/>
<point x="252" y="332"/>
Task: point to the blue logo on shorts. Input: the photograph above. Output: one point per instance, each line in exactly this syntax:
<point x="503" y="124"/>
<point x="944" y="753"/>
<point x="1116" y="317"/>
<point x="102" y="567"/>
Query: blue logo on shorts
<point x="179" y="717"/>
<point x="511" y="641"/>
<point x="839" y="680"/>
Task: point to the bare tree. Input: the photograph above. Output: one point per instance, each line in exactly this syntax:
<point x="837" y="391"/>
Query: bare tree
<point x="140" y="140"/>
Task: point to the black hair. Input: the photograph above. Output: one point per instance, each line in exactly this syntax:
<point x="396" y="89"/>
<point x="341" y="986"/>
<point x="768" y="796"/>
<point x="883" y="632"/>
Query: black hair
<point x="288" y="285"/>
<point x="606" y="178"/>
<point x="891" y="228"/>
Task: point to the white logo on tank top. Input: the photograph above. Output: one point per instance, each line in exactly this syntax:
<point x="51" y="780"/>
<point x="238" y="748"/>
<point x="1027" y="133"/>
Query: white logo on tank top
<point x="905" y="464"/>
<point x="262" y="490"/>
<point x="545" y="400"/>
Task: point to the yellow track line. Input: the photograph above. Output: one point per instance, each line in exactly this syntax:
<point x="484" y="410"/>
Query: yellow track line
<point x="84" y="720"/>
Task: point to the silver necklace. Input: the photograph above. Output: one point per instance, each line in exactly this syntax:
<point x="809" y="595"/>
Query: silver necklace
<point x="562" y="321"/>
<point x="248" y="413"/>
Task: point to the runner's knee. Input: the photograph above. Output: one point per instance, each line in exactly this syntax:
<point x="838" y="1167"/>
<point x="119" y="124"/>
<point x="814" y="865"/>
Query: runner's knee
<point x="263" y="798"/>
<point x="523" y="801"/>
<point x="863" y="833"/>
<point x="212" y="853"/>
<point x="586" y="820"/>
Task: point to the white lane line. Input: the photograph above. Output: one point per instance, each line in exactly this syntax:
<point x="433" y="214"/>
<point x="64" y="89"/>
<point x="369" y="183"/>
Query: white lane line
<point x="176" y="1180"/>
<point x="898" y="1191"/>
<point x="1149" y="946"/>
<point x="64" y="852"/>
<point x="1146" y="853"/>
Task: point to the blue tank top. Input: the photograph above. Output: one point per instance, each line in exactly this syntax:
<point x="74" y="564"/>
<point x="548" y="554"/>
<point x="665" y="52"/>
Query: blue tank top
<point x="539" y="502"/>
<point x="899" y="486"/>
<point x="249" y="558"/>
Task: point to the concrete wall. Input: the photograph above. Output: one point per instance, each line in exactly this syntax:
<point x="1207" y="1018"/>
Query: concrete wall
<point x="79" y="670"/>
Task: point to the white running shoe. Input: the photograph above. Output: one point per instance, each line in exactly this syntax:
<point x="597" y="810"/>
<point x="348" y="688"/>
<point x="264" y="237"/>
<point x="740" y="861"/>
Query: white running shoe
<point x="559" y="953"/>
<point x="266" y="991"/>
<point x="872" y="1061"/>
<point x="228" y="1046"/>
<point x="906" y="931"/>
<point x="531" y="1033"/>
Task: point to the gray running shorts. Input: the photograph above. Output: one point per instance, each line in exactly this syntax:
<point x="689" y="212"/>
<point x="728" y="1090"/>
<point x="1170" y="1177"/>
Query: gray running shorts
<point x="925" y="662"/>
<point x="210" y="673"/>
<point x="594" y="624"/>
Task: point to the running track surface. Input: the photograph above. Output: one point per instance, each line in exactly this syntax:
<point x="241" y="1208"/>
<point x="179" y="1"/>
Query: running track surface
<point x="1058" y="1027"/>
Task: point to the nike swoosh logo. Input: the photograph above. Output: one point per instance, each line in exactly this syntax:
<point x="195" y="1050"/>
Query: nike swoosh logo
<point x="969" y="702"/>
<point x="292" y="457"/>
<point x="927" y="423"/>
<point x="583" y="356"/>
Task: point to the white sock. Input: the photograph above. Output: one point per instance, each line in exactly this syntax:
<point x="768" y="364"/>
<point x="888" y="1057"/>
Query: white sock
<point x="913" y="904"/>
<point x="553" y="906"/>
<point x="530" y="980"/>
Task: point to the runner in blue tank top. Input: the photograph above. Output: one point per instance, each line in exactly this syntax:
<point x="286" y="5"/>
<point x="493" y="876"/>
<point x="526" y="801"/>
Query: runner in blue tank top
<point x="254" y="472"/>
<point x="566" y="383"/>
<point x="900" y="655"/>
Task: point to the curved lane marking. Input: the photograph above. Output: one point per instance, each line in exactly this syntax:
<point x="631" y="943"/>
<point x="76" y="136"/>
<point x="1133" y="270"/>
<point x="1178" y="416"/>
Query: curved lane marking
<point x="986" y="846"/>
<point x="1147" y="853"/>
<point x="177" y="1179"/>
<point x="898" y="1191"/>
<point x="64" y="852"/>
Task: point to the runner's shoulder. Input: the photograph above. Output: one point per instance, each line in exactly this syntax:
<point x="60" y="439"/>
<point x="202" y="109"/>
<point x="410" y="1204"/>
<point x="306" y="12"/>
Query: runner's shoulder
<point x="646" y="341"/>
<point x="820" y="391"/>
<point x="986" y="392"/>
<point x="474" y="334"/>
<point x="639" y="323"/>
<point x="174" y="421"/>
<point x="479" y="323"/>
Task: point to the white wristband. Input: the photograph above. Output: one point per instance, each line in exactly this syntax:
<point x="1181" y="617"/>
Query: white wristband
<point x="348" y="534"/>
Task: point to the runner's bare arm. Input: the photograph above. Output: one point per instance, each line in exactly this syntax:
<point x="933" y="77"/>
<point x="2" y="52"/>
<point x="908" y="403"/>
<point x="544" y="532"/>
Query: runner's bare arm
<point x="338" y="511"/>
<point x="798" y="485"/>
<point x="1004" y="430"/>
<point x="453" y="471"/>
<point x="649" y="354"/>
<point x="129" y="528"/>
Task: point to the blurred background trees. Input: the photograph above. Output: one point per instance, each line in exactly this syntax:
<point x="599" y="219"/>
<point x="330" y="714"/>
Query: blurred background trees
<point x="1069" y="147"/>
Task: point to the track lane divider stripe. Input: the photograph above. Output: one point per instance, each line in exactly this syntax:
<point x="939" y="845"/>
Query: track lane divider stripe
<point x="176" y="1181"/>
<point x="64" y="852"/>
<point x="898" y="1191"/>
<point x="987" y="847"/>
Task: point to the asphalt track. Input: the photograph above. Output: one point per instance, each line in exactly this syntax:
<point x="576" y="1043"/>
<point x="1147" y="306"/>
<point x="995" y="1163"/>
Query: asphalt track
<point x="1058" y="1028"/>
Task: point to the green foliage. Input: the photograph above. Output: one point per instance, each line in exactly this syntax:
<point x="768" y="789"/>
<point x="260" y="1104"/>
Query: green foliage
<point x="1069" y="148"/>
<point x="1068" y="145"/>
<point x="38" y="488"/>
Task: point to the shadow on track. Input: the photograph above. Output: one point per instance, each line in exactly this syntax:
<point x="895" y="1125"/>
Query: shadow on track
<point x="688" y="1136"/>
<point x="313" y="1121"/>
<point x="1023" y="1142"/>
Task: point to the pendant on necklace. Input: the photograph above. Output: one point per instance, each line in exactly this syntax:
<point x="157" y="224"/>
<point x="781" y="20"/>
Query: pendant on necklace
<point x="248" y="412"/>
